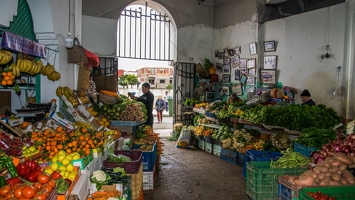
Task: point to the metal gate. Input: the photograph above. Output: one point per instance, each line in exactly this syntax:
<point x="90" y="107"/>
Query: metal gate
<point x="144" y="33"/>
<point x="184" y="87"/>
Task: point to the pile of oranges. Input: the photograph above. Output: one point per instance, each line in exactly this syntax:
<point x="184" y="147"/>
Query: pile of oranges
<point x="7" y="78"/>
<point x="52" y="141"/>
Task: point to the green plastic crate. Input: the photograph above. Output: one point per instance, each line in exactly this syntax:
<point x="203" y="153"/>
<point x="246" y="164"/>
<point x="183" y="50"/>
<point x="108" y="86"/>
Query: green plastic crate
<point x="262" y="181"/>
<point x="337" y="192"/>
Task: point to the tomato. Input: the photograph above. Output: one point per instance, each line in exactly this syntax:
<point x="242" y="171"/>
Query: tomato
<point x="37" y="186"/>
<point x="56" y="175"/>
<point x="18" y="192"/>
<point x="47" y="188"/>
<point x="40" y="196"/>
<point x="43" y="178"/>
<point x="4" y="190"/>
<point x="28" y="192"/>
<point x="10" y="195"/>
<point x="52" y="183"/>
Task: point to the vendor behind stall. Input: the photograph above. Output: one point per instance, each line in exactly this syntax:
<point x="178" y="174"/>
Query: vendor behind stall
<point x="306" y="98"/>
<point x="148" y="99"/>
<point x="233" y="98"/>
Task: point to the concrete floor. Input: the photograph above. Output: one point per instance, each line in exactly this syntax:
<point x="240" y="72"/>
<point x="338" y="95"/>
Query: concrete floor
<point x="194" y="174"/>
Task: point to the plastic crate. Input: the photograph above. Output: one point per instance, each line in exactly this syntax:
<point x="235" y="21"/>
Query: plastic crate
<point x="148" y="180"/>
<point x="201" y="144"/>
<point x="337" y="192"/>
<point x="217" y="148"/>
<point x="241" y="158"/>
<point x="209" y="147"/>
<point x="229" y="153"/>
<point x="306" y="151"/>
<point x="255" y="155"/>
<point x="262" y="181"/>
<point x="229" y="159"/>
<point x="130" y="167"/>
<point x="287" y="191"/>
<point x="148" y="157"/>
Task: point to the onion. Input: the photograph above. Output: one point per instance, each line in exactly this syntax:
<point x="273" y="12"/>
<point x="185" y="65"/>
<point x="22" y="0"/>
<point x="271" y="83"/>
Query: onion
<point x="323" y="153"/>
<point x="318" y="159"/>
<point x="352" y="136"/>
<point x="347" y="149"/>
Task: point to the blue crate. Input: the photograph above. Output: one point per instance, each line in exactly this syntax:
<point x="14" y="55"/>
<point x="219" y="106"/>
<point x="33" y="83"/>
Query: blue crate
<point x="306" y="151"/>
<point x="229" y="159"/>
<point x="287" y="191"/>
<point x="255" y="155"/>
<point x="229" y="153"/>
<point x="217" y="148"/>
<point x="148" y="157"/>
<point x="241" y="158"/>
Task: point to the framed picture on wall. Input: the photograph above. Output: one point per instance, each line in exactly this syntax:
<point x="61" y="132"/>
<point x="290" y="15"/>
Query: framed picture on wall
<point x="252" y="72"/>
<point x="243" y="79"/>
<point x="237" y="89"/>
<point x="226" y="61"/>
<point x="251" y="80"/>
<point x="243" y="63"/>
<point x="270" y="62"/>
<point x="269" y="46"/>
<point x="237" y="74"/>
<point x="226" y="69"/>
<point x="252" y="48"/>
<point x="226" y="78"/>
<point x="251" y="63"/>
<point x="235" y="61"/>
<point x="267" y="76"/>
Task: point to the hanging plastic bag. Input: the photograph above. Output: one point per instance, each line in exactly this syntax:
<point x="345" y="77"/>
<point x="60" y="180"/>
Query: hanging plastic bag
<point x="184" y="138"/>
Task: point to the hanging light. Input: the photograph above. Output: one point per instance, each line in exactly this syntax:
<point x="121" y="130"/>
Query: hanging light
<point x="69" y="43"/>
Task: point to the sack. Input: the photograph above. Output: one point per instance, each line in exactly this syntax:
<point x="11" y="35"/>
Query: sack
<point x="77" y="54"/>
<point x="92" y="58"/>
<point x="184" y="138"/>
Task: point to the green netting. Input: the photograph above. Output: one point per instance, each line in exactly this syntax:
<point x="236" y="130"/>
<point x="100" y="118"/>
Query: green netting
<point x="22" y="24"/>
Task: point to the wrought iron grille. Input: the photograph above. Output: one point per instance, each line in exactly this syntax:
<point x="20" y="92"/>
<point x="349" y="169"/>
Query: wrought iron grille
<point x="184" y="83"/>
<point x="144" y="33"/>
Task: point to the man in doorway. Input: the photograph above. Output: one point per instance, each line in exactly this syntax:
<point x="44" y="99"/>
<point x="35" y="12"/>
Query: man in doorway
<point x="166" y="97"/>
<point x="148" y="99"/>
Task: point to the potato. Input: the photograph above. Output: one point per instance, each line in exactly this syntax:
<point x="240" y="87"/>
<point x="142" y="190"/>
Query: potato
<point x="333" y="169"/>
<point x="335" y="163"/>
<point x="343" y="158"/>
<point x="336" y="177"/>
<point x="333" y="183"/>
<point x="343" y="181"/>
<point x="342" y="167"/>
<point x="324" y="183"/>
<point x="321" y="176"/>
<point x="351" y="157"/>
<point x="319" y="170"/>
<point x="347" y="175"/>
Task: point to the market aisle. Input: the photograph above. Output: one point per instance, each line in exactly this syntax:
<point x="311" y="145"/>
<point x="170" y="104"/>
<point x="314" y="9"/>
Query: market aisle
<point x="194" y="174"/>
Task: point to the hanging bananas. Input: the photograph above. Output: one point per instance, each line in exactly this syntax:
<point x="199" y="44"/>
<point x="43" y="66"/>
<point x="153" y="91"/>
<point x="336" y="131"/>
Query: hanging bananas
<point x="5" y="57"/>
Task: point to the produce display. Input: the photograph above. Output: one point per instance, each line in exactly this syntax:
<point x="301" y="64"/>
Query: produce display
<point x="343" y="143"/>
<point x="11" y="146"/>
<point x="332" y="171"/>
<point x="313" y="137"/>
<point x="320" y="196"/>
<point x="292" y="116"/>
<point x="125" y="111"/>
<point x="290" y="159"/>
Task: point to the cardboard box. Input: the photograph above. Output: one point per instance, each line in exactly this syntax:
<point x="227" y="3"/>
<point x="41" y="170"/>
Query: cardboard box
<point x="15" y="121"/>
<point x="67" y="124"/>
<point x="8" y="129"/>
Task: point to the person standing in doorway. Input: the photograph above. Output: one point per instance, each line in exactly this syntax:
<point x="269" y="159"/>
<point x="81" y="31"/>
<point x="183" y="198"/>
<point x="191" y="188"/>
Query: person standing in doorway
<point x="159" y="107"/>
<point x="166" y="97"/>
<point x="148" y="99"/>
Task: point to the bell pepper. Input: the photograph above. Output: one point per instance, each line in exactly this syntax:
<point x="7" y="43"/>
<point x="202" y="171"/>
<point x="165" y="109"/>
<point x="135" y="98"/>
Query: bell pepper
<point x="13" y="181"/>
<point x="32" y="176"/>
<point x="23" y="169"/>
<point x="31" y="164"/>
<point x="9" y="165"/>
<point x="2" y="181"/>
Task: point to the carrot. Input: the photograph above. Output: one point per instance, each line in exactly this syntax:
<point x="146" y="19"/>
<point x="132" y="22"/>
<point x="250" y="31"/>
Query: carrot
<point x="114" y="94"/>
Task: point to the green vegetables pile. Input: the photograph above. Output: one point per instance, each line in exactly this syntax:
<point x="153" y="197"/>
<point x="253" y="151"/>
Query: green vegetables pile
<point x="290" y="159"/>
<point x="313" y="137"/>
<point x="221" y="109"/>
<point x="292" y="116"/>
<point x="125" y="111"/>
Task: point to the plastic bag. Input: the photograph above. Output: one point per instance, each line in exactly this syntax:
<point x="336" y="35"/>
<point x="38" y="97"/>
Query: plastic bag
<point x="184" y="138"/>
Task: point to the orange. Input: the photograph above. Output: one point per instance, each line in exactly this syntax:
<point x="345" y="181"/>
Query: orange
<point x="68" y="150"/>
<point x="3" y="83"/>
<point x="4" y="74"/>
<point x="9" y="73"/>
<point x="6" y="78"/>
<point x="9" y="82"/>
<point x="87" y="151"/>
<point x="81" y="138"/>
<point x="59" y="129"/>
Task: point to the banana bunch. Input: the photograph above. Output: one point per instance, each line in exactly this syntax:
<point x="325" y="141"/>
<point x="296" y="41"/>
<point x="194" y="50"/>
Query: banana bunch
<point x="92" y="111"/>
<point x="49" y="71"/>
<point x="5" y="57"/>
<point x="84" y="100"/>
<point x="27" y="66"/>
<point x="82" y="124"/>
<point x="68" y="93"/>
<point x="15" y="70"/>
